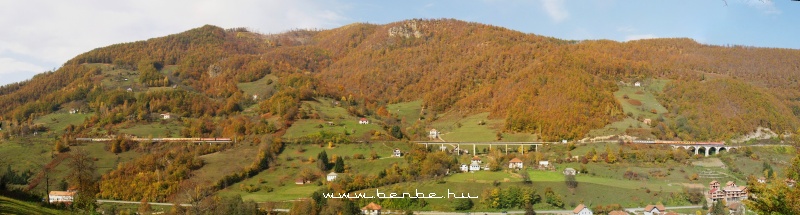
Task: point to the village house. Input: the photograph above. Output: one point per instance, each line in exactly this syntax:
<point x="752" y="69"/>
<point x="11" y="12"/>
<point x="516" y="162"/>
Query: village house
<point x="637" y="84"/>
<point x="332" y="176"/>
<point x="62" y="196"/>
<point x="790" y="182"/>
<point x="130" y="90"/>
<point x="255" y="97"/>
<point x="762" y="180"/>
<point x="654" y="209"/>
<point x="582" y="210"/>
<point x="371" y="209"/>
<point x="730" y="193"/>
<point x="474" y="166"/>
<point x="515" y="163"/>
<point x="397" y="153"/>
<point x="477" y="159"/>
<point x="544" y="165"/>
<point x="73" y="111"/>
<point x="300" y="181"/>
<point x="570" y="171"/>
<point x="464" y="168"/>
<point x="433" y="134"/>
<point x="363" y="121"/>
<point x="647" y="121"/>
<point x="166" y="116"/>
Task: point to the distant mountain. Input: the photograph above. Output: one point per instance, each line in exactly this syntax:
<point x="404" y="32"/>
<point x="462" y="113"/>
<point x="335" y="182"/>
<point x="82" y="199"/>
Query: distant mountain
<point x="556" y="88"/>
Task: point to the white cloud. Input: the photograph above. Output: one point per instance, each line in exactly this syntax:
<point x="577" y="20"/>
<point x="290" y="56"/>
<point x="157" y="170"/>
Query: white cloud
<point x="555" y="9"/>
<point x="765" y="6"/>
<point x="50" y="32"/>
<point x="639" y="37"/>
<point x="10" y="65"/>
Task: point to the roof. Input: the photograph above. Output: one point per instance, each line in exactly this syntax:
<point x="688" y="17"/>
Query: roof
<point x="61" y="193"/>
<point x="671" y="213"/>
<point x="579" y="208"/>
<point x="363" y="119"/>
<point x="516" y="160"/>
<point x="569" y="169"/>
<point x="713" y="190"/>
<point x="476" y="158"/>
<point x="649" y="208"/>
<point x="714" y="182"/>
<point x="332" y="174"/>
<point x="730" y="183"/>
<point x="617" y="213"/>
<point x="371" y="206"/>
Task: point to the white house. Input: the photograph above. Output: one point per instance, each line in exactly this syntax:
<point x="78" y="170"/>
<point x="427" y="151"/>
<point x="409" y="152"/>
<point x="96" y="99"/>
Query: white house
<point x="477" y="159"/>
<point x="762" y="180"/>
<point x="570" y="171"/>
<point x="397" y="153"/>
<point x="363" y="121"/>
<point x="332" y="176"/>
<point x="654" y="209"/>
<point x="464" y="168"/>
<point x="433" y="134"/>
<point x="582" y="210"/>
<point x="61" y="196"/>
<point x="129" y="89"/>
<point x="255" y="97"/>
<point x="166" y="115"/>
<point x="300" y="181"/>
<point x="474" y="166"/>
<point x="637" y="84"/>
<point x="371" y="209"/>
<point x="647" y="121"/>
<point x="544" y="164"/>
<point x="73" y="111"/>
<point x="515" y="163"/>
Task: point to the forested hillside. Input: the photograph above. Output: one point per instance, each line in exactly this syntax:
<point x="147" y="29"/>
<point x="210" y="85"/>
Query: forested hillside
<point x="554" y="88"/>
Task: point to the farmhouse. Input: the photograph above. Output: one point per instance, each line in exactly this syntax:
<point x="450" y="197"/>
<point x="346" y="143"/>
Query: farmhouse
<point x="371" y="209"/>
<point x="130" y="90"/>
<point x="570" y="171"/>
<point x="647" y="121"/>
<point x="397" y="153"/>
<point x="790" y="182"/>
<point x="363" y="121"/>
<point x="433" y="134"/>
<point x="73" y="111"/>
<point x="464" y="168"/>
<point x="544" y="165"/>
<point x="332" y="176"/>
<point x="515" y="163"/>
<point x="654" y="209"/>
<point x="582" y="210"/>
<point x="729" y="193"/>
<point x="166" y="116"/>
<point x="300" y="181"/>
<point x="474" y="166"/>
<point x="476" y="159"/>
<point x="637" y="84"/>
<point x="762" y="180"/>
<point x="62" y="196"/>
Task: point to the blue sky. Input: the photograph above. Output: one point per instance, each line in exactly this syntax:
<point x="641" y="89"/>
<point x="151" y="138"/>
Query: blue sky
<point x="41" y="35"/>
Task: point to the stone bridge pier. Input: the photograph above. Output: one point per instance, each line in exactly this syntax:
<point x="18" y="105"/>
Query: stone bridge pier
<point x="707" y="149"/>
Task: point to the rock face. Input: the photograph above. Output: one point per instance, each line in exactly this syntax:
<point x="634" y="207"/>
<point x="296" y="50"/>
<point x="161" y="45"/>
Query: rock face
<point x="407" y="30"/>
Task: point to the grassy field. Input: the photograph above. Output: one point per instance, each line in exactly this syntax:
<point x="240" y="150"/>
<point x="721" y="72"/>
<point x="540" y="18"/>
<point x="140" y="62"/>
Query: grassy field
<point x="263" y="87"/>
<point x="223" y="163"/>
<point x="170" y="128"/>
<point x="56" y="122"/>
<point x="484" y="177"/>
<point x="408" y="111"/>
<point x="13" y="206"/>
<point x="28" y="153"/>
<point x="281" y="177"/>
<point x="640" y="102"/>
<point x="343" y="123"/>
